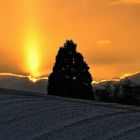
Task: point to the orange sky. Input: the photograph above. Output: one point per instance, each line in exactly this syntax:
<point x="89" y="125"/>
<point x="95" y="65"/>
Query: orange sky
<point x="107" y="33"/>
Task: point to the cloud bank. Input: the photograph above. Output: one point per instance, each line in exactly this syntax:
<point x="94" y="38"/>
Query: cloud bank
<point x="23" y="83"/>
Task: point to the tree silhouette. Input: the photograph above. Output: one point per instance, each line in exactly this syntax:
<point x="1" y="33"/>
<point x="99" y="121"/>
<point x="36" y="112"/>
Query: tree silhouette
<point x="70" y="76"/>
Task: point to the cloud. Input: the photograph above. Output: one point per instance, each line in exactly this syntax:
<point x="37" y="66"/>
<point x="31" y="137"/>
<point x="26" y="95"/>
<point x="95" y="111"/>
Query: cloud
<point x="126" y="2"/>
<point x="103" y="42"/>
<point x="23" y="83"/>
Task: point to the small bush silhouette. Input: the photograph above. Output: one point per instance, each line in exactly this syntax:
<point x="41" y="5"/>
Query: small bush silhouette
<point x="70" y="76"/>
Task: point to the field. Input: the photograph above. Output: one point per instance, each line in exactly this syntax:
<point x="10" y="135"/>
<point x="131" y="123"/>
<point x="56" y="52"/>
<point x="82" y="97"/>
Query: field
<point x="32" y="116"/>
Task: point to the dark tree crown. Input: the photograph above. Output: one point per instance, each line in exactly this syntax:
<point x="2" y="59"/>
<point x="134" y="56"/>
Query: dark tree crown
<point x="70" y="76"/>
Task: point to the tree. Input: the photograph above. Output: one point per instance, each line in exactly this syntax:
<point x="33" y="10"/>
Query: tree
<point x="70" y="76"/>
<point x="127" y="91"/>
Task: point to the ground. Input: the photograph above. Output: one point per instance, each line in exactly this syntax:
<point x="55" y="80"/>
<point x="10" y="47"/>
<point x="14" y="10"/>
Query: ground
<point x="29" y="116"/>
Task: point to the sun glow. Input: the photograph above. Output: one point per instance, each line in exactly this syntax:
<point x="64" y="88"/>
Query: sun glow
<point x="33" y="53"/>
<point x="32" y="40"/>
<point x="33" y="59"/>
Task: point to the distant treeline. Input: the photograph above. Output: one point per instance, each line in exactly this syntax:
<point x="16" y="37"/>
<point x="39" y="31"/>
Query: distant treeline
<point x="124" y="93"/>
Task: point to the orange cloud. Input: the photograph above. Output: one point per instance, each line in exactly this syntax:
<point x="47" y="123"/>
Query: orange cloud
<point x="103" y="42"/>
<point x="126" y="2"/>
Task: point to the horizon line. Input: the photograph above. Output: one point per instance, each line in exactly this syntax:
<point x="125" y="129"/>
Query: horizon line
<point x="34" y="80"/>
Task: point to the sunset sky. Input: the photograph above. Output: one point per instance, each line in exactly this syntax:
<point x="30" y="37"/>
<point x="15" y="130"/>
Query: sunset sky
<point x="107" y="33"/>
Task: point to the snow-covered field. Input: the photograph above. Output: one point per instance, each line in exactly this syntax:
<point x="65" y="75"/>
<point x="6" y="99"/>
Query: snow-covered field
<point x="28" y="116"/>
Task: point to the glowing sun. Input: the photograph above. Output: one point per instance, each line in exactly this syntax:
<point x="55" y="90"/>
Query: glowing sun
<point x="33" y="59"/>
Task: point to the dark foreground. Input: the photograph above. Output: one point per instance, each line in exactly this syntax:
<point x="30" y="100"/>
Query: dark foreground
<point x="25" y="116"/>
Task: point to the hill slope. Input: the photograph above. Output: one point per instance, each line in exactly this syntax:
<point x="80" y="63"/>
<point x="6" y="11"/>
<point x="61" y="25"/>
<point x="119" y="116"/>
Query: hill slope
<point x="28" y="116"/>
